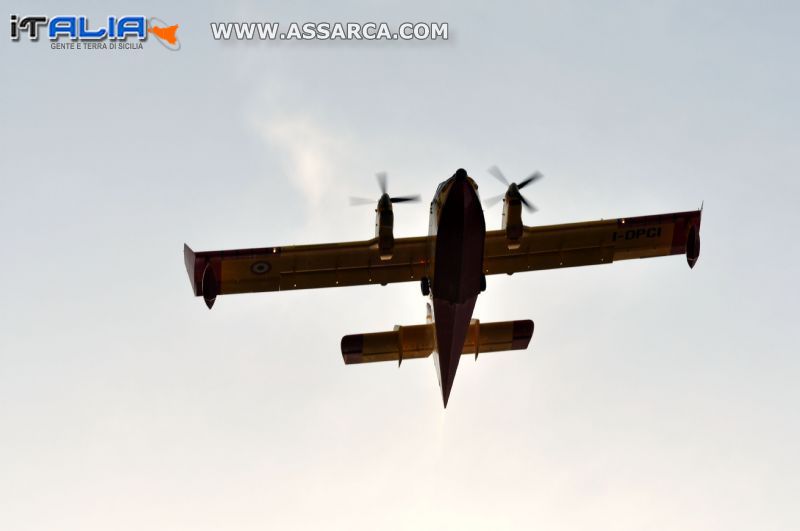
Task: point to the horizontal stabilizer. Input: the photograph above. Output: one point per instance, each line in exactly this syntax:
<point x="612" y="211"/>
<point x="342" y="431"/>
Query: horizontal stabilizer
<point x="406" y="342"/>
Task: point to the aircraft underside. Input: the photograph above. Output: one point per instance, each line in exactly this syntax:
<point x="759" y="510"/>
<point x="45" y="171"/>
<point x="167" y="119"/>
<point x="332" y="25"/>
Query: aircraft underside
<point x="450" y="265"/>
<point x="458" y="268"/>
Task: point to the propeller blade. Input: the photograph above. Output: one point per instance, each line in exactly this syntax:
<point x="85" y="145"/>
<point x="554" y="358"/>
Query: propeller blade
<point x="492" y="201"/>
<point x="358" y="201"/>
<point x="405" y="199"/>
<point x="534" y="177"/>
<point x="528" y="205"/>
<point x="382" y="181"/>
<point x="497" y="174"/>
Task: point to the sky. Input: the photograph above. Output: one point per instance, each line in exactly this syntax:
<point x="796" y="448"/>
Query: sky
<point x="652" y="396"/>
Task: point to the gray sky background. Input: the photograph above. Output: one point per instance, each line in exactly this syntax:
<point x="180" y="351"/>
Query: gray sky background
<point x="652" y="396"/>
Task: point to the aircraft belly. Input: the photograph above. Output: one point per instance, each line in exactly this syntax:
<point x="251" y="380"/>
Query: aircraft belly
<point x="457" y="277"/>
<point x="459" y="246"/>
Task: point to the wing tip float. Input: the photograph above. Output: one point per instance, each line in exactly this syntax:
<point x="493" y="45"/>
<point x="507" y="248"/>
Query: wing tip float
<point x="204" y="281"/>
<point x="693" y="240"/>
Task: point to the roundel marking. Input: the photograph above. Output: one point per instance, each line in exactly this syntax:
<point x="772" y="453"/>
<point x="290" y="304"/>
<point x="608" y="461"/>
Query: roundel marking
<point x="259" y="268"/>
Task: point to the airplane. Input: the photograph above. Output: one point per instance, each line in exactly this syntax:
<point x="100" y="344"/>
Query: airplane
<point x="450" y="264"/>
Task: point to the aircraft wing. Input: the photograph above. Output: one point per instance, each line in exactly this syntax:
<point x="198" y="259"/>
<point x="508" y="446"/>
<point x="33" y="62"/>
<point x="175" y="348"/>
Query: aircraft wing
<point x="594" y="242"/>
<point x="215" y="273"/>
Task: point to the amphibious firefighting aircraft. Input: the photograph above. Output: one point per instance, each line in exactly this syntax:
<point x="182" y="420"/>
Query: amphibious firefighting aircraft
<point x="450" y="265"/>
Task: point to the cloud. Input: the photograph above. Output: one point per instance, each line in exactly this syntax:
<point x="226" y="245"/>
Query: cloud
<point x="311" y="154"/>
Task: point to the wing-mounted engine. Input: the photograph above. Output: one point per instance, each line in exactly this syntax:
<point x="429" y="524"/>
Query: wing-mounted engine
<point x="384" y="227"/>
<point x="384" y="216"/>
<point x="512" y="220"/>
<point x="513" y="201"/>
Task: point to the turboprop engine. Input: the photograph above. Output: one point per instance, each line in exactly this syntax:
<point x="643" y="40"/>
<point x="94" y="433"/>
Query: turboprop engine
<point x="512" y="216"/>
<point x="384" y="215"/>
<point x="513" y="201"/>
<point x="384" y="226"/>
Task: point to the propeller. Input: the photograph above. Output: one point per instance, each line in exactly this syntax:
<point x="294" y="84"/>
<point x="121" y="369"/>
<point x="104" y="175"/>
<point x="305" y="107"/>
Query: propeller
<point x="384" y="186"/>
<point x="513" y="188"/>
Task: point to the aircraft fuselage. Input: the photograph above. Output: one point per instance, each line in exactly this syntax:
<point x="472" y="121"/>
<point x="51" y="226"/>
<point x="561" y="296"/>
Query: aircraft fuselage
<point x="457" y="222"/>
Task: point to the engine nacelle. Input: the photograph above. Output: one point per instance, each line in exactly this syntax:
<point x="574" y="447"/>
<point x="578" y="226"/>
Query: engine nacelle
<point x="384" y="229"/>
<point x="512" y="221"/>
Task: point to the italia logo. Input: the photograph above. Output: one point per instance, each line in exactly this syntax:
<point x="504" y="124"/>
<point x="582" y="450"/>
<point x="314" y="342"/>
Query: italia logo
<point x="126" y="32"/>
